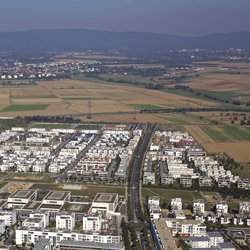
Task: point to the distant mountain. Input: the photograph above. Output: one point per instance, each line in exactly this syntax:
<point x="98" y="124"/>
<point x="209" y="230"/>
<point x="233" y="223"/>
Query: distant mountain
<point x="75" y="39"/>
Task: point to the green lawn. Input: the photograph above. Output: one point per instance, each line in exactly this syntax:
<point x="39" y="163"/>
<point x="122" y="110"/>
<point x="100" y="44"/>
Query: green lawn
<point x="85" y="191"/>
<point x="228" y="133"/>
<point x="216" y="135"/>
<point x="24" y="107"/>
<point x="243" y="171"/>
<point x="51" y="125"/>
<point x="167" y="194"/>
<point x="146" y="106"/>
<point x="236" y="133"/>
<point x="184" y="119"/>
<point x="89" y="126"/>
<point x="33" y="96"/>
<point x="78" y="98"/>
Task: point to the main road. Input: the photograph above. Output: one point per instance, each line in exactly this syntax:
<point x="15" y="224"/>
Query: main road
<point x="134" y="183"/>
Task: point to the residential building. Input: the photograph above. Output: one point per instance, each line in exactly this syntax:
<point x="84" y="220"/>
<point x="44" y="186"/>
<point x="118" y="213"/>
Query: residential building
<point x="186" y="227"/>
<point x="176" y="204"/>
<point x="43" y="244"/>
<point x="92" y="222"/>
<point x="186" y="180"/>
<point x="154" y="200"/>
<point x="243" y="183"/>
<point x="199" y="242"/>
<point x="198" y="206"/>
<point x="221" y="208"/>
<point x="226" y="246"/>
<point x="65" y="221"/>
<point x="215" y="238"/>
<point x="105" y="202"/>
<point x="76" y="245"/>
<point x="148" y="178"/>
<point x="8" y="215"/>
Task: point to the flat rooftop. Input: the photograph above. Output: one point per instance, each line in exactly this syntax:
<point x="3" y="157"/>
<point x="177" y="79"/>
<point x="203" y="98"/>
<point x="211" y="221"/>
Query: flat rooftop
<point x="23" y="194"/>
<point x="76" y="207"/>
<point x="56" y="196"/>
<point x="90" y="245"/>
<point x="105" y="198"/>
<point x="50" y="207"/>
<point x="41" y="245"/>
<point x="32" y="205"/>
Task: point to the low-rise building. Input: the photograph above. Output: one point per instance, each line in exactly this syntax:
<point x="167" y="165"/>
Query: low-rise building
<point x="43" y="244"/>
<point x="148" y="178"/>
<point x="76" y="245"/>
<point x="65" y="221"/>
<point x="176" y="204"/>
<point x="200" y="242"/>
<point x="243" y="183"/>
<point x="215" y="238"/>
<point x="105" y="202"/>
<point x="21" y="198"/>
<point x="92" y="223"/>
<point x="221" y="208"/>
<point x="8" y="215"/>
<point x="186" y="180"/>
<point x="226" y="246"/>
<point x="186" y="227"/>
<point x="198" y="206"/>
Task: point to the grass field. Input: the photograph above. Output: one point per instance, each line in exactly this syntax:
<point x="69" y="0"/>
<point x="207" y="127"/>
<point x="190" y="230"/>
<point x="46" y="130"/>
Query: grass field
<point x="214" y="134"/>
<point x="147" y="106"/>
<point x="24" y="107"/>
<point x="51" y="125"/>
<point x="89" y="126"/>
<point x="167" y="194"/>
<point x="84" y="191"/>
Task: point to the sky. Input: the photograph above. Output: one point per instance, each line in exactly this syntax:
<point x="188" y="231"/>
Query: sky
<point x="179" y="17"/>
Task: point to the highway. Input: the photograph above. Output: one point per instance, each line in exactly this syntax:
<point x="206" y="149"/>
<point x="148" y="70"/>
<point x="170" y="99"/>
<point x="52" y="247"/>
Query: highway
<point x="134" y="184"/>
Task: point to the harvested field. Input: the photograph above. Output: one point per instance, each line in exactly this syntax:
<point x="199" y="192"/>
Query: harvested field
<point x="71" y="97"/>
<point x="124" y="118"/>
<point x="199" y="134"/>
<point x="238" y="150"/>
<point x="222" y="82"/>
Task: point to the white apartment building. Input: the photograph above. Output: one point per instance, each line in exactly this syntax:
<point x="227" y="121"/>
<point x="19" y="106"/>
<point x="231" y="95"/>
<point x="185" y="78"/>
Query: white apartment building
<point x="244" y="207"/>
<point x="198" y="206"/>
<point x="176" y="204"/>
<point x="215" y="238"/>
<point x="2" y="227"/>
<point x="105" y="202"/>
<point x="33" y="235"/>
<point x="92" y="223"/>
<point x="8" y="215"/>
<point x="154" y="200"/>
<point x="200" y="242"/>
<point x="21" y="198"/>
<point x="186" y="227"/>
<point x="65" y="221"/>
<point x="43" y="215"/>
<point x="33" y="223"/>
<point x="221" y="208"/>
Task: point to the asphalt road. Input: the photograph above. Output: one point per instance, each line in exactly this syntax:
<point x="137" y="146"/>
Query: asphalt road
<point x="134" y="185"/>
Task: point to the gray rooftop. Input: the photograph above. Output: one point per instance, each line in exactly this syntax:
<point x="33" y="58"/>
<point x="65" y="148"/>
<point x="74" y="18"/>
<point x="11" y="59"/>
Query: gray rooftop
<point x="214" y="234"/>
<point x="92" y="245"/>
<point x="42" y="244"/>
<point x="226" y="245"/>
<point x="205" y="238"/>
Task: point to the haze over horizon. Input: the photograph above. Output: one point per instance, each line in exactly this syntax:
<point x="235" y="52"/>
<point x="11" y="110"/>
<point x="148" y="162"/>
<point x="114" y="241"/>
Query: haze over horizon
<point x="177" y="17"/>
